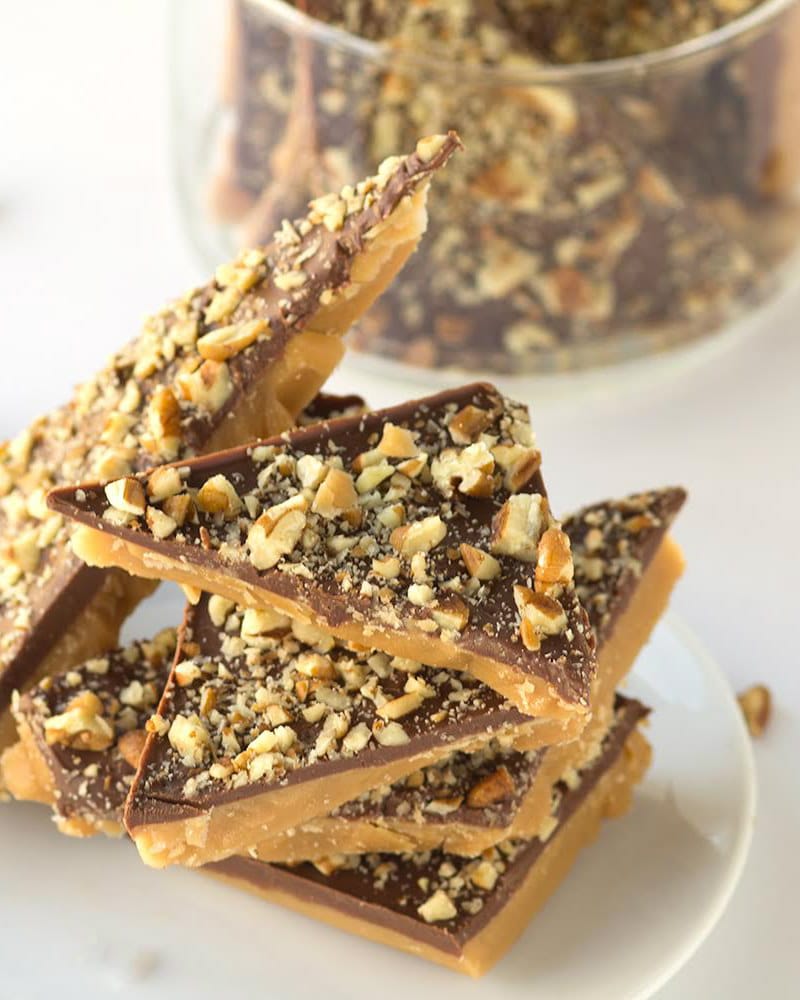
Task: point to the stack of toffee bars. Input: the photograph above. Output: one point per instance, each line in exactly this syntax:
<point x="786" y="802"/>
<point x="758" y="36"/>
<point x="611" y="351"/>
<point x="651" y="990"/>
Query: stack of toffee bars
<point x="392" y="701"/>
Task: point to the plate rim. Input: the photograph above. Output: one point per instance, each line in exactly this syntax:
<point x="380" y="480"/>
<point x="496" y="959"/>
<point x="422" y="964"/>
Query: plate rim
<point x="740" y="850"/>
<point x="712" y="908"/>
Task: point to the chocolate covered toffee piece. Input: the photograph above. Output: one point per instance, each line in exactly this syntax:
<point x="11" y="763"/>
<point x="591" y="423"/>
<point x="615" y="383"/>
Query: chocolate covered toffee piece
<point x="422" y="530"/>
<point x="464" y="803"/>
<point x="266" y="723"/>
<point x="81" y="735"/>
<point x="464" y="914"/>
<point x="237" y="358"/>
<point x="625" y="568"/>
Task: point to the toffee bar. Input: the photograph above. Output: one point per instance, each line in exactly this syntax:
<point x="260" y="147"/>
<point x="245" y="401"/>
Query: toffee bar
<point x="464" y="914"/>
<point x="422" y="530"/>
<point x="235" y="359"/>
<point x="626" y="565"/>
<point x="266" y="723"/>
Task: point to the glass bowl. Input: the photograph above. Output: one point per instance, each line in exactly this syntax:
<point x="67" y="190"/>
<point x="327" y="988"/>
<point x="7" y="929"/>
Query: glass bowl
<point x="602" y="210"/>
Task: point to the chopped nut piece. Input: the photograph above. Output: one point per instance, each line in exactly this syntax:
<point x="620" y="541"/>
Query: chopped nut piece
<point x="164" y="419"/>
<point x="157" y="724"/>
<point x="227" y="341"/>
<point x="518" y="525"/>
<point x="390" y="735"/>
<point x="468" y="424"/>
<point x="159" y="523"/>
<point x="218" y="496"/>
<point x="541" y="615"/>
<point x="480" y="564"/>
<point x="192" y="594"/>
<point x="412" y="467"/>
<point x="163" y="483"/>
<point x="495" y="787"/>
<point x="269" y="540"/>
<point x="397" y="442"/>
<point x="392" y="516"/>
<point x="209" y="387"/>
<point x="403" y="705"/>
<point x="218" y="609"/>
<point x="131" y="745"/>
<point x="223" y="304"/>
<point x="180" y="508"/>
<point x="443" y="807"/>
<point x="484" y="876"/>
<point x="554" y="568"/>
<point x="315" y="665"/>
<point x="756" y="706"/>
<point x="470" y="467"/>
<point x="437" y="908"/>
<point x="544" y="612"/>
<point x="310" y="471"/>
<point x="389" y="568"/>
<point x="186" y="673"/>
<point x="421" y="536"/>
<point x="189" y="738"/>
<point x="262" y="621"/>
<point x="127" y="495"/>
<point x="357" y="738"/>
<point x="421" y="594"/>
<point x="519" y="464"/>
<point x="366" y="459"/>
<point x="81" y="726"/>
<point x="336" y="494"/>
<point x="451" y="613"/>
<point x="373" y="476"/>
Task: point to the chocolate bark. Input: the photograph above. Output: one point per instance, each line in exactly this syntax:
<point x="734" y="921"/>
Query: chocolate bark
<point x="614" y="543"/>
<point x="236" y="358"/>
<point x="258" y="706"/>
<point x="460" y="897"/>
<point x="624" y="534"/>
<point x="589" y="223"/>
<point x="426" y="522"/>
<point x="87" y="729"/>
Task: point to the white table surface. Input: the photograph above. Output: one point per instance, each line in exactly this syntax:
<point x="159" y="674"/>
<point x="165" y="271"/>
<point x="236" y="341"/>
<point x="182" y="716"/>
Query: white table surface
<point x="90" y="242"/>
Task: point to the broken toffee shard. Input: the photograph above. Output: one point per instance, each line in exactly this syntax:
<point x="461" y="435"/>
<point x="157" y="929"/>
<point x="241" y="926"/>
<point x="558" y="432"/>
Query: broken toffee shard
<point x="625" y="567"/>
<point x="422" y="530"/>
<point x="233" y="360"/>
<point x="461" y="913"/>
<point x="266" y="723"/>
<point x="81" y="735"/>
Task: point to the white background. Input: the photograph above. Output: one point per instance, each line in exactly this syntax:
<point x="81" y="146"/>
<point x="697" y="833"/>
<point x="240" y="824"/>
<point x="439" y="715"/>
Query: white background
<point x="90" y="242"/>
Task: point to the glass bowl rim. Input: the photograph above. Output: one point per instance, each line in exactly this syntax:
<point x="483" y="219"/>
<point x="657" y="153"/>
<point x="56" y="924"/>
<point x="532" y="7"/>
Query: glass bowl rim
<point x="739" y="30"/>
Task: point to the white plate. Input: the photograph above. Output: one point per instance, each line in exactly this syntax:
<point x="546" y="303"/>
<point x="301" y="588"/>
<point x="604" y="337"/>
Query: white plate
<point x="85" y="919"/>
